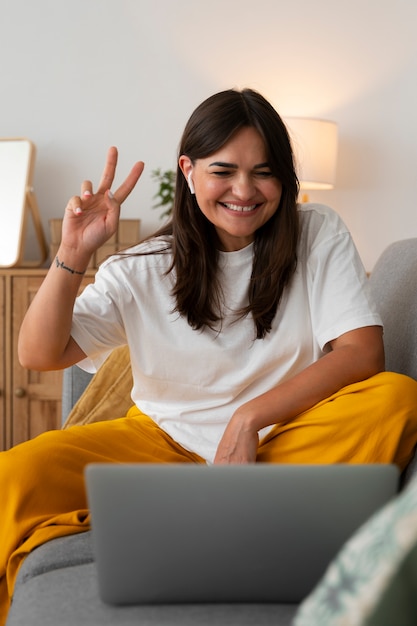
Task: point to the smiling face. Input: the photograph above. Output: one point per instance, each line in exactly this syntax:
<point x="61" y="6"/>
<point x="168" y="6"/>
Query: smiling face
<point x="235" y="188"/>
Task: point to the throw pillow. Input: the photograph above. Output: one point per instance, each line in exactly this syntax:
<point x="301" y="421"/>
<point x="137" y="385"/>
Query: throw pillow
<point x="108" y="394"/>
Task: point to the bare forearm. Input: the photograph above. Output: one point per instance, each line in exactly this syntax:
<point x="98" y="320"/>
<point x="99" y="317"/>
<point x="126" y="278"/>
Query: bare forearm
<point x="44" y="338"/>
<point x="343" y="366"/>
<point x="354" y="357"/>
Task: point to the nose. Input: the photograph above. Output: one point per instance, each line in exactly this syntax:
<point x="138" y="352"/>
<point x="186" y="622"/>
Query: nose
<point x="244" y="187"/>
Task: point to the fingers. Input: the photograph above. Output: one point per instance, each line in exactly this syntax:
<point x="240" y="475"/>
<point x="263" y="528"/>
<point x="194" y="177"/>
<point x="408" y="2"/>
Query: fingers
<point x="87" y="189"/>
<point x="74" y="205"/>
<point x="108" y="175"/>
<point x="109" y="171"/>
<point x="128" y="185"/>
<point x="106" y="181"/>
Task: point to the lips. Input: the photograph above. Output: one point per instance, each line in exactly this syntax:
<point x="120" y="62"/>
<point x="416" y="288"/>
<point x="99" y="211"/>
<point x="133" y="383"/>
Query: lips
<point x="239" y="208"/>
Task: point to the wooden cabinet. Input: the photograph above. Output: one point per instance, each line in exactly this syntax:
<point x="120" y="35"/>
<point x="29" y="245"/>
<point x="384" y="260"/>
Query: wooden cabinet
<point x="30" y="402"/>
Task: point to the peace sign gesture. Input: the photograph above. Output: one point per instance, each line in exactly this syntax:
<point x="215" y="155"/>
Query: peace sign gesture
<point x="92" y="218"/>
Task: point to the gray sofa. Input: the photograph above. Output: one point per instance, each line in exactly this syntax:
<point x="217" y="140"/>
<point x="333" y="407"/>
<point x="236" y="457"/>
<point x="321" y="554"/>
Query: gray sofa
<point x="57" y="581"/>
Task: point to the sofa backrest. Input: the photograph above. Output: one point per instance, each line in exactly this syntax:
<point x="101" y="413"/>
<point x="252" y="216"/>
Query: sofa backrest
<point x="394" y="287"/>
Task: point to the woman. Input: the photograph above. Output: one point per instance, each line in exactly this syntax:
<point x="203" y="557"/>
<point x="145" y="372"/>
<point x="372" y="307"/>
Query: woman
<point x="251" y="330"/>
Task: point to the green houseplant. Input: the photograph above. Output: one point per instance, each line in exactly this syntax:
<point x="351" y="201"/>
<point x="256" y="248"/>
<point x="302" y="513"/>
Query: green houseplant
<point x="165" y="193"/>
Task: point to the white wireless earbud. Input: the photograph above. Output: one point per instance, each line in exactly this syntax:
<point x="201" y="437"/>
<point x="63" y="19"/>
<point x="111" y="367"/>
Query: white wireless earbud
<point x="190" y="184"/>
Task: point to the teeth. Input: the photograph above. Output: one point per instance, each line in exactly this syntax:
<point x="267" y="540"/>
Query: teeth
<point x="236" y="207"/>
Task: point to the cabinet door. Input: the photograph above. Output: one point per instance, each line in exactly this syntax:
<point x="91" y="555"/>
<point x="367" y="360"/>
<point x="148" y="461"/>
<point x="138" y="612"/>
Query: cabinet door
<point x="36" y="396"/>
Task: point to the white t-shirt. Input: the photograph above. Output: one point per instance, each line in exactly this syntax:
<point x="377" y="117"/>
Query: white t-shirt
<point x="191" y="382"/>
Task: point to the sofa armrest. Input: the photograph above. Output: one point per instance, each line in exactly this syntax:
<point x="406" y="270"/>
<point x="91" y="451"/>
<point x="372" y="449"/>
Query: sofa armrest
<point x="75" y="380"/>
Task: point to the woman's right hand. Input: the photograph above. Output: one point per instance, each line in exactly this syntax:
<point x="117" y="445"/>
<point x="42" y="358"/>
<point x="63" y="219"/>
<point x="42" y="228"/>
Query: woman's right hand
<point x="92" y="218"/>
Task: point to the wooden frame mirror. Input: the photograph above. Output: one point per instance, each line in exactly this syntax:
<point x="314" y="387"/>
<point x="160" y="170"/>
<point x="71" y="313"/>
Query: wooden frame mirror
<point x="18" y="203"/>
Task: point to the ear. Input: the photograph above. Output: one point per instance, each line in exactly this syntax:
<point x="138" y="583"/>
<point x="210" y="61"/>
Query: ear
<point x="186" y="165"/>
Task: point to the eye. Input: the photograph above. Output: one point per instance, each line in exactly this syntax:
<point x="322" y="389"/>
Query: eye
<point x="264" y="174"/>
<point x="221" y="173"/>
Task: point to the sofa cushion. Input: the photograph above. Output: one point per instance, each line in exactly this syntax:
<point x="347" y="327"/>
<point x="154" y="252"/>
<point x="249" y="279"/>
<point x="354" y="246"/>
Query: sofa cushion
<point x="62" y="570"/>
<point x="69" y="597"/>
<point x="62" y="552"/>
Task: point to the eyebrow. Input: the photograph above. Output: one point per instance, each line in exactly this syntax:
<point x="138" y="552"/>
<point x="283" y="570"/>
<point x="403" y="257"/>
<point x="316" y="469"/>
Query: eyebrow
<point x="234" y="166"/>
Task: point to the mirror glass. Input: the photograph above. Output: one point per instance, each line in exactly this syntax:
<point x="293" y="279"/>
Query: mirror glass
<point x="16" y="164"/>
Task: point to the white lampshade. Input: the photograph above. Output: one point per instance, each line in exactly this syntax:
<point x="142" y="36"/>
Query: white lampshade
<point x="314" y="143"/>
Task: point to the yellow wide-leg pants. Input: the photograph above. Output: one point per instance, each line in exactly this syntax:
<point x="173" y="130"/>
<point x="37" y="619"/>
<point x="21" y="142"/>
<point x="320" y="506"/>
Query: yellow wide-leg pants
<point x="42" y="480"/>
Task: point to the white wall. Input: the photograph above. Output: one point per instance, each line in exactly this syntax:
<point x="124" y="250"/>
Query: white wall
<point x="79" y="75"/>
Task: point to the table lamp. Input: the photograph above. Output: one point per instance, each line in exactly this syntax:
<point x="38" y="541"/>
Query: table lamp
<point x="315" y="143"/>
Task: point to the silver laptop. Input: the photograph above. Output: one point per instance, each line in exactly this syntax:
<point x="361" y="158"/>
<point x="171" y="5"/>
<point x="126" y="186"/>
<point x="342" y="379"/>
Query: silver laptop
<point x="247" y="533"/>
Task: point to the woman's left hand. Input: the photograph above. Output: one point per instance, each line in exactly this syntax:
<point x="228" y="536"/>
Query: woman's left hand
<point x="239" y="443"/>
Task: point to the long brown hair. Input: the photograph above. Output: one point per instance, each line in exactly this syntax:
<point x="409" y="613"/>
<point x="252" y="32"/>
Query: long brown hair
<point x="194" y="242"/>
